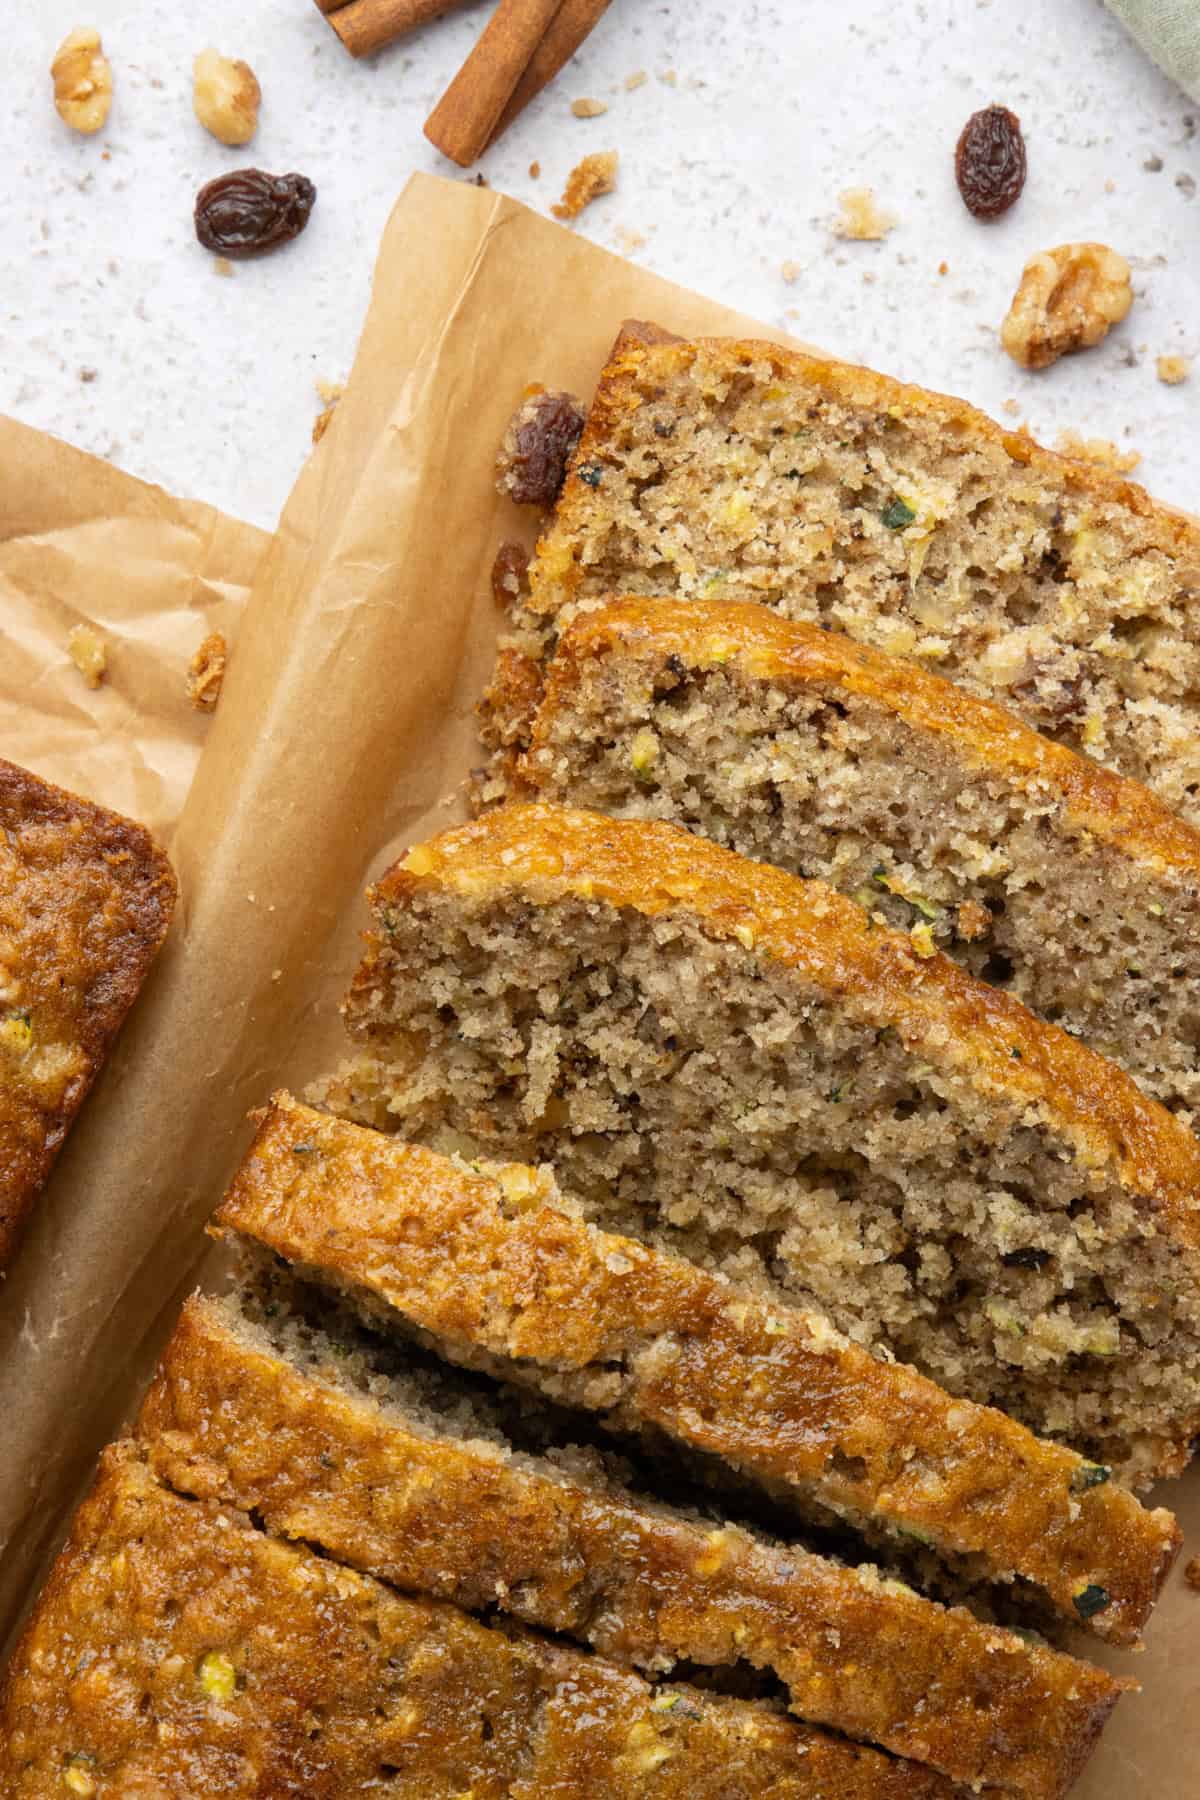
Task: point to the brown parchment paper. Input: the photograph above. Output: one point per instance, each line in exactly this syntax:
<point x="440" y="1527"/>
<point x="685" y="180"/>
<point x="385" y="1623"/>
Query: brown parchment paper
<point x="345" y="732"/>
<point x="83" y="544"/>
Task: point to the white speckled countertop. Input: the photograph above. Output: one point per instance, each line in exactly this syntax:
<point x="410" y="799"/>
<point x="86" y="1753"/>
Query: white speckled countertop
<point x="116" y="333"/>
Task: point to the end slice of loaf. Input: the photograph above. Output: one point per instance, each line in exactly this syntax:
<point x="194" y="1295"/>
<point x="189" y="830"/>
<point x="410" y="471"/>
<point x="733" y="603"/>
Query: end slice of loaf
<point x="500" y="1269"/>
<point x="709" y="1048"/>
<point x="419" y="1486"/>
<point x="176" y="1649"/>
<point x="724" y="470"/>
<point x="1038" y="869"/>
<point x="86" y="897"/>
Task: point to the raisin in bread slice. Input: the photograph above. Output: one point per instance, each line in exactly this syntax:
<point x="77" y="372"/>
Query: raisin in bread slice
<point x="177" y="1649"/>
<point x="720" y="469"/>
<point x="1035" y="867"/>
<point x="715" y="1051"/>
<point x="501" y="1270"/>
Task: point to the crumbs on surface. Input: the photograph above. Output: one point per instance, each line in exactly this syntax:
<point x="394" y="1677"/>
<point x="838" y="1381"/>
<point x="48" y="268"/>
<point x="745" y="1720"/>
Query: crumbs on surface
<point x="594" y="175"/>
<point x="1173" y="369"/>
<point x="861" y="217"/>
<point x="206" y="672"/>
<point x="1191" y="1573"/>
<point x="89" y="653"/>
<point x="637" y="79"/>
<point x="586" y="108"/>
<point x="1101" y="451"/>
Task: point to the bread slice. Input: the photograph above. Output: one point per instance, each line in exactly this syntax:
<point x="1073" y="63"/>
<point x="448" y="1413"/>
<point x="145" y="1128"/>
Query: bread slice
<point x="711" y="1049"/>
<point x="406" y="1477"/>
<point x="176" y="1649"/>
<point x="85" y="900"/>
<point x="743" y="471"/>
<point x="501" y="1269"/>
<point x="1038" y="869"/>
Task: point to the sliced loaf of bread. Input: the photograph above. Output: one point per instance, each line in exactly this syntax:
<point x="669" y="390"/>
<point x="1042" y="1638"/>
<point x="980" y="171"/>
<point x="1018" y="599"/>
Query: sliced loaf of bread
<point x="178" y="1650"/>
<point x="938" y="811"/>
<point x="744" y="471"/>
<point x="411" y="1476"/>
<point x="710" y="1048"/>
<point x="498" y="1268"/>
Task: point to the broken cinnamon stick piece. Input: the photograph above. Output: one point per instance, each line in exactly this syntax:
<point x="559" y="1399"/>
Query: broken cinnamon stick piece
<point x="365" y="26"/>
<point x="571" y="25"/>
<point x="462" y="122"/>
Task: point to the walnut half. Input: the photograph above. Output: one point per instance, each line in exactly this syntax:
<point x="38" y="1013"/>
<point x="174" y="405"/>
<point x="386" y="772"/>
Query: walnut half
<point x="225" y="97"/>
<point x="1067" y="300"/>
<point x="83" y="82"/>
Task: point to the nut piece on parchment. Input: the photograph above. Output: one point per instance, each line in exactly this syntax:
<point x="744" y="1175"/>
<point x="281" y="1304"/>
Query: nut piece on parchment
<point x="538" y="443"/>
<point x="594" y="175"/>
<point x="206" y="672"/>
<point x="330" y="392"/>
<point x="1067" y="300"/>
<point x="88" y="651"/>
<point x="83" y="83"/>
<point x="225" y="97"/>
<point x="1191" y="1573"/>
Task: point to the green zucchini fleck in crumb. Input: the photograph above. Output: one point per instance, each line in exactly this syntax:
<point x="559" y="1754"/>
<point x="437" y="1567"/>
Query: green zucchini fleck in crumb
<point x="897" y="514"/>
<point x="1089" y="1475"/>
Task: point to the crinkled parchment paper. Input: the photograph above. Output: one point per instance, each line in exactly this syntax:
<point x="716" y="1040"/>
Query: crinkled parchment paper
<point x="345" y="732"/>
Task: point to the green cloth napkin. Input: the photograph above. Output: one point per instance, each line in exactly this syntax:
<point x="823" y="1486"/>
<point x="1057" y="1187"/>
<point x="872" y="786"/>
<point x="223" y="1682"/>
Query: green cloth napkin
<point x="1169" y="31"/>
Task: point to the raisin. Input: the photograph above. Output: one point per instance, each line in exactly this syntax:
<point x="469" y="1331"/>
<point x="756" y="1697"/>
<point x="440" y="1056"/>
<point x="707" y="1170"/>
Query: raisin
<point x="247" y="212"/>
<point x="538" y="444"/>
<point x="510" y="573"/>
<point x="989" y="162"/>
<point x="1028" y="1257"/>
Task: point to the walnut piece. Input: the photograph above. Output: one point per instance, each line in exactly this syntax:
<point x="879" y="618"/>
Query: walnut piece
<point x="1191" y="1573"/>
<point x="594" y="175"/>
<point x="1172" y="369"/>
<point x="861" y="218"/>
<point x="88" y="651"/>
<point x="83" y="82"/>
<point x="225" y="97"/>
<point x="1067" y="300"/>
<point x="1101" y="451"/>
<point x="206" y="672"/>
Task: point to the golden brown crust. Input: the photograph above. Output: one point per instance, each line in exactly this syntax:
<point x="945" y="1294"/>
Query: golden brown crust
<point x="176" y="1650"/>
<point x="637" y="355"/>
<point x="771" y="1389"/>
<point x="767" y="647"/>
<point x="240" y="1425"/>
<point x="86" y="897"/>
<point x="989" y="1038"/>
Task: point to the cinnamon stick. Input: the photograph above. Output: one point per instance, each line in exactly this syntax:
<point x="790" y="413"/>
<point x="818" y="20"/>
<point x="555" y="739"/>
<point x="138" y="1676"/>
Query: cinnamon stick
<point x="365" y="26"/>
<point x="568" y="29"/>
<point x="465" y="117"/>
